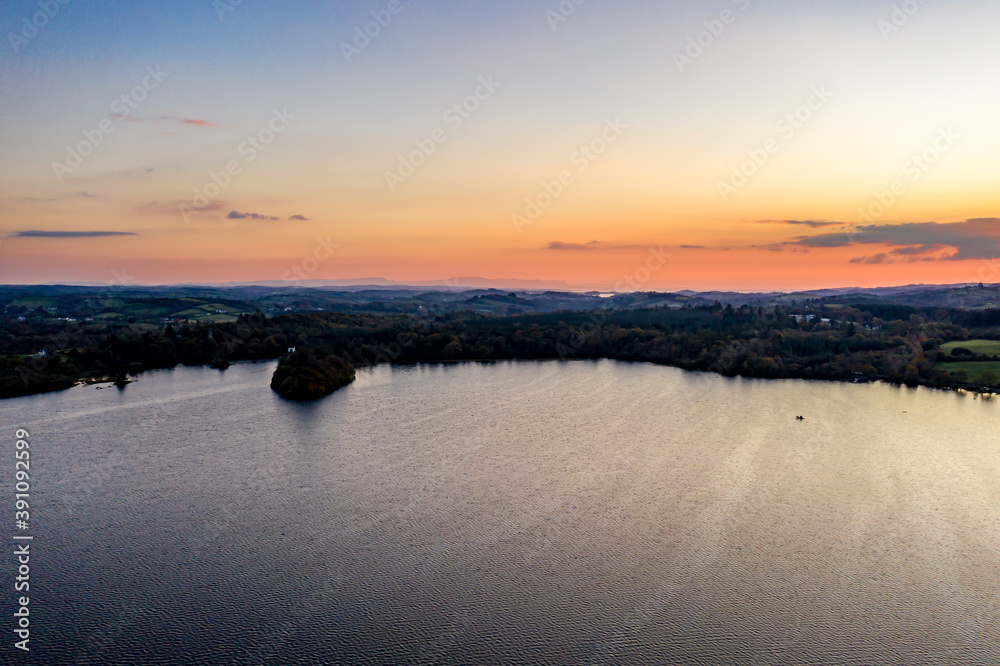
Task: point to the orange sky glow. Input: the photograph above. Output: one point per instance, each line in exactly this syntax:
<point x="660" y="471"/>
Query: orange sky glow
<point x="802" y="148"/>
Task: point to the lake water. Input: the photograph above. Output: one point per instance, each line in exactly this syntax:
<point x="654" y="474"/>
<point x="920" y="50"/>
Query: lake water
<point x="533" y="513"/>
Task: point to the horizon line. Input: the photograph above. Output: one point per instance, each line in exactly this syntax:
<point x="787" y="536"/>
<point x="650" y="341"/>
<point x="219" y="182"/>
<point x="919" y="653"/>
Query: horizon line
<point x="387" y="284"/>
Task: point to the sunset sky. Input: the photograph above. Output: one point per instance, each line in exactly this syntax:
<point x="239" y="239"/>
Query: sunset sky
<point x="630" y="144"/>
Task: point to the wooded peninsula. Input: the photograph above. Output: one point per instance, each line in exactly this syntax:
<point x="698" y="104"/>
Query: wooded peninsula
<point x="862" y="341"/>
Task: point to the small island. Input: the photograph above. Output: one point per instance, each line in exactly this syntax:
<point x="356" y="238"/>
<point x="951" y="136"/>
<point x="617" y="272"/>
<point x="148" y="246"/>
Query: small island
<point x="303" y="377"/>
<point x="915" y="338"/>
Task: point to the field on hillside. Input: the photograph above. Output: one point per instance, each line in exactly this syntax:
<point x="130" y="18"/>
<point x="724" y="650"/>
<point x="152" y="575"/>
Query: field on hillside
<point x="977" y="347"/>
<point x="973" y="369"/>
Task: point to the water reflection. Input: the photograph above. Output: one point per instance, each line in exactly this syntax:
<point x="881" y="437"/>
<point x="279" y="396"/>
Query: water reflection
<point x="563" y="512"/>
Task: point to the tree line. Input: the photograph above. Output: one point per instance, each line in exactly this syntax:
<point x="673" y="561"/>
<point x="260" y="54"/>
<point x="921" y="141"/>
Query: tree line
<point x="862" y="341"/>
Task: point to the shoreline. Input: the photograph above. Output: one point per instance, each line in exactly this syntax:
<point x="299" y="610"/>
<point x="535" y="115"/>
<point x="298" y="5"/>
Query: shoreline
<point x="81" y="382"/>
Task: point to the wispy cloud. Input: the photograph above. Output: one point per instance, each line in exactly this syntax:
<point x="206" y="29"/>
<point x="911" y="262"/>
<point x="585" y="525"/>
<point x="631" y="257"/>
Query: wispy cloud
<point x="32" y="199"/>
<point x="236" y="215"/>
<point x="559" y="245"/>
<point x="813" y="224"/>
<point x="70" y="234"/>
<point x="36" y="200"/>
<point x="197" y="122"/>
<point x="977" y="238"/>
<point x="880" y="258"/>
<point x="299" y="218"/>
<point x="916" y="251"/>
<point x="170" y="207"/>
<point x="592" y="246"/>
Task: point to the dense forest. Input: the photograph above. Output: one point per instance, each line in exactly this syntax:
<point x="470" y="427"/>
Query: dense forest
<point x="302" y="375"/>
<point x="859" y="342"/>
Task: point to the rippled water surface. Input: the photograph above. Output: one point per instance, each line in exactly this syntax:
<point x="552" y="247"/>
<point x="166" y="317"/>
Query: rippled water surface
<point x="542" y="513"/>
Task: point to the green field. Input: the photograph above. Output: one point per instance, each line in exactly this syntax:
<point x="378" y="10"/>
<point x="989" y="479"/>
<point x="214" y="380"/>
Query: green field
<point x="218" y="318"/>
<point x="978" y="347"/>
<point x="974" y="369"/>
<point x="150" y="310"/>
<point x="32" y="303"/>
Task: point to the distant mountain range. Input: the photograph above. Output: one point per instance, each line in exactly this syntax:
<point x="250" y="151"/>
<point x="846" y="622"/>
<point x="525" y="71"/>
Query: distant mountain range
<point x="460" y="284"/>
<point x="452" y="284"/>
<point x="478" y="295"/>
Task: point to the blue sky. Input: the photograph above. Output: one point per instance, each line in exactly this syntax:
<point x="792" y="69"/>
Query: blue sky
<point x="891" y="91"/>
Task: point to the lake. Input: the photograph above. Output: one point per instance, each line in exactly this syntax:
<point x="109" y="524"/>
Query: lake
<point x="531" y="513"/>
